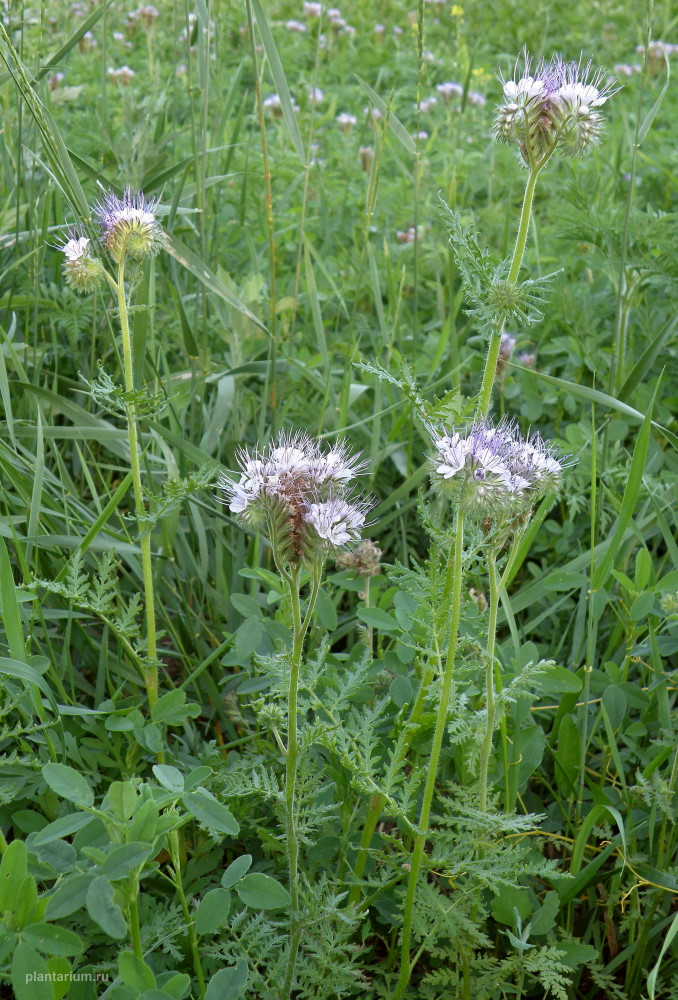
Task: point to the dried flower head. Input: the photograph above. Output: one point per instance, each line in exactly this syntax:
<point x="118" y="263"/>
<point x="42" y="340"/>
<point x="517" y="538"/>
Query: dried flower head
<point x="554" y="105"/>
<point x="82" y="271"/>
<point x="364" y="559"/>
<point x="129" y="227"/>
<point x="493" y="470"/>
<point x="301" y="492"/>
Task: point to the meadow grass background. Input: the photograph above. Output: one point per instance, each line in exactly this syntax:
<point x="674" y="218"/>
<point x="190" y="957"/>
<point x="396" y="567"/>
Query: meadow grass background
<point x="291" y="266"/>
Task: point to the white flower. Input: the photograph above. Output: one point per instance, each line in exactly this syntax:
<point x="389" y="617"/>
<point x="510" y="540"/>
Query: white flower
<point x="301" y="489"/>
<point x="336" y="521"/>
<point x="76" y="248"/>
<point x="449" y="90"/>
<point x="295" y="26"/>
<point x="346" y="121"/>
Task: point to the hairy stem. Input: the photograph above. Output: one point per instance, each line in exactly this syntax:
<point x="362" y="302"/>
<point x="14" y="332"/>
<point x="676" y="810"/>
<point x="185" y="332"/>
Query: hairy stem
<point x="485" y="396"/>
<point x="489" y="679"/>
<point x="134" y="924"/>
<point x="175" y="854"/>
<point x="299" y="629"/>
<point x="441" y="719"/>
<point x="144" y="536"/>
<point x="378" y="800"/>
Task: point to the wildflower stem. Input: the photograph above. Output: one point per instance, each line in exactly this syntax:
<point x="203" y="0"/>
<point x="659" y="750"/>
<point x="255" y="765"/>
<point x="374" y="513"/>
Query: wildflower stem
<point x="175" y="853"/>
<point x="299" y="629"/>
<point x="135" y="929"/>
<point x="490" y="706"/>
<point x="455" y="565"/>
<point x="378" y="800"/>
<point x="485" y="395"/>
<point x="144" y="537"/>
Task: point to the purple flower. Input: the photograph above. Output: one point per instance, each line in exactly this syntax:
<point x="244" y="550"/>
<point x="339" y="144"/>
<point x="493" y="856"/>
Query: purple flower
<point x="553" y="105"/>
<point x="494" y="470"/>
<point x="129" y="226"/>
<point x="302" y="492"/>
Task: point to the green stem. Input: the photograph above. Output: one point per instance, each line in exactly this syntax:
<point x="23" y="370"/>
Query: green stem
<point x="144" y="536"/>
<point x="134" y="924"/>
<point x="175" y="853"/>
<point x="489" y="679"/>
<point x="379" y="800"/>
<point x="299" y="629"/>
<point x="485" y="396"/>
<point x="441" y="719"/>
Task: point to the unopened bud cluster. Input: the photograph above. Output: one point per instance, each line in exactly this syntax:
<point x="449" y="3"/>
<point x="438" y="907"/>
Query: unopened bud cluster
<point x="302" y="493"/>
<point x="129" y="228"/>
<point x="493" y="471"/>
<point x="556" y="105"/>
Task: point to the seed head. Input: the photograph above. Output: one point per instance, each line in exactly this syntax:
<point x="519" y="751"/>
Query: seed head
<point x="129" y="227"/>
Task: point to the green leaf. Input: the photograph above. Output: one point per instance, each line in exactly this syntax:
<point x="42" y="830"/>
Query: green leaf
<point x="236" y="870"/>
<point x="68" y="897"/>
<point x="652" y="113"/>
<point x="279" y="78"/>
<point x="27" y="898"/>
<point x="666" y="944"/>
<point x="68" y="783"/>
<point x="642" y="606"/>
<point x="30" y="975"/>
<point x="400" y="691"/>
<point x="248" y="636"/>
<point x="169" y="777"/>
<point x="211" y="814"/>
<point x="134" y="972"/>
<point x="393" y="123"/>
<point x="378" y="619"/>
<point x="62" y="827"/>
<point x="545" y="918"/>
<point x="262" y="892"/>
<point x="122" y="798"/>
<point x="172" y="709"/>
<point x="103" y="909"/>
<point x="568" y="757"/>
<point x="228" y="984"/>
<point x="177" y="986"/>
<point x="634" y="482"/>
<point x="559" y="680"/>
<point x="195" y="265"/>
<point x="13" y="870"/>
<point x="52" y="940"/>
<point x="123" y="859"/>
<point x="212" y="911"/>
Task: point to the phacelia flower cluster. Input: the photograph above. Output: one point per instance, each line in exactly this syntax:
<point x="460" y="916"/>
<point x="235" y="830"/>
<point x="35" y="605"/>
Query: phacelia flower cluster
<point x="493" y="471"/>
<point x="302" y="493"/>
<point x="555" y="105"/>
<point x="129" y="226"/>
<point x="81" y="270"/>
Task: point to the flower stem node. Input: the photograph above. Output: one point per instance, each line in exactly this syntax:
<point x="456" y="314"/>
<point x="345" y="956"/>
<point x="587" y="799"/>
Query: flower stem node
<point x="129" y="227"/>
